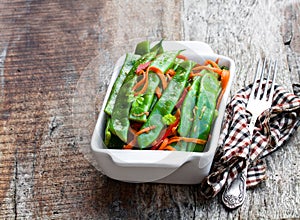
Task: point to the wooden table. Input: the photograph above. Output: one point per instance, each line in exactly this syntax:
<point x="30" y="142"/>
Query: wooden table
<point x="47" y="47"/>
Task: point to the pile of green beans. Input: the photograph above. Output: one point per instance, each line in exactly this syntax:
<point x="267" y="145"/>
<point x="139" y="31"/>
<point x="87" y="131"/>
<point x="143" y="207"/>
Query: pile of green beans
<point x="148" y="115"/>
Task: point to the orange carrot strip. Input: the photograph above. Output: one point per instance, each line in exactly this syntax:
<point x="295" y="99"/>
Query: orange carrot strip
<point x="174" y="139"/>
<point x="159" y="140"/>
<point x="164" y="144"/>
<point x="139" y="83"/>
<point x="170" y="148"/>
<point x="160" y="74"/>
<point x="130" y="145"/>
<point x="174" y="129"/>
<point x="144" y="89"/>
<point x="158" y="92"/>
<point x="169" y="77"/>
<point x="216" y="70"/>
<point x="163" y="80"/>
<point x="127" y="147"/>
<point x="144" y="130"/>
<point x="214" y="64"/>
<point x="179" y="56"/>
<point x="193" y="140"/>
<point x="170" y="72"/>
<point x="224" y="81"/>
<point x="225" y="78"/>
<point x="177" y="113"/>
<point x="155" y="69"/>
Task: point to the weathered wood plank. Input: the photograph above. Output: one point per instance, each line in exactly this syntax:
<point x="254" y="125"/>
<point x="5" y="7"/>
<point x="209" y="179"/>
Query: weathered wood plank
<point x="45" y="56"/>
<point x="45" y="49"/>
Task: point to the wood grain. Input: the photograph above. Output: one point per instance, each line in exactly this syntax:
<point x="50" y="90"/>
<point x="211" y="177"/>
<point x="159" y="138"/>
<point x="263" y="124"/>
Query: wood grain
<point x="46" y="48"/>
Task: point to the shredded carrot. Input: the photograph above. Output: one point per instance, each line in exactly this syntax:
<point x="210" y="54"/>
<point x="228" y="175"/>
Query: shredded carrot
<point x="174" y="129"/>
<point x="144" y="130"/>
<point x="166" y="132"/>
<point x="146" y="80"/>
<point x="163" y="80"/>
<point x="128" y="146"/>
<point x="170" y="148"/>
<point x="160" y="74"/>
<point x="169" y="77"/>
<point x="193" y="140"/>
<point x="140" y="72"/>
<point x="159" y="140"/>
<point x="217" y="60"/>
<point x="224" y="81"/>
<point x="216" y="70"/>
<point x="155" y="69"/>
<point x="214" y="64"/>
<point x="131" y="144"/>
<point x="158" y="92"/>
<point x="178" y="113"/>
<point x="164" y="144"/>
<point x="225" y="78"/>
<point x="170" y="72"/>
<point x="181" y="57"/>
<point x="140" y="83"/>
<point x="195" y="74"/>
<point x="144" y="89"/>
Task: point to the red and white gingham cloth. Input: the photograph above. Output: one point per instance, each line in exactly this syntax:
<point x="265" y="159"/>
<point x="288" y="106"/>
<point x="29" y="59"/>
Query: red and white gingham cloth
<point x="237" y="152"/>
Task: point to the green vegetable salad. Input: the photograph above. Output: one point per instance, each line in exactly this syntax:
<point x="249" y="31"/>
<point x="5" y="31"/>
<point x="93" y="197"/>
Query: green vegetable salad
<point x="161" y="100"/>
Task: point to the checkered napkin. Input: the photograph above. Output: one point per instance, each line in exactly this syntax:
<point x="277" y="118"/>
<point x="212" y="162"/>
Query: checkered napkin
<point x="237" y="152"/>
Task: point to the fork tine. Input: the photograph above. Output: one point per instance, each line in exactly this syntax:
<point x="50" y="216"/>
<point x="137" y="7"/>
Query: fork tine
<point x="267" y="82"/>
<point x="255" y="80"/>
<point x="261" y="79"/>
<point x="273" y="80"/>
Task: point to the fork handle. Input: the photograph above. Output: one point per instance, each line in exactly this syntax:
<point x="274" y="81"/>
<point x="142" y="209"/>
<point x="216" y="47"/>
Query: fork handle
<point x="235" y="193"/>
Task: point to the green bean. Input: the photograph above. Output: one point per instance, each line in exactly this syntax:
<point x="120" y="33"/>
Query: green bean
<point x="163" y="62"/>
<point x="120" y="113"/>
<point x="158" y="47"/>
<point x="107" y="135"/>
<point x="142" y="48"/>
<point x="127" y="66"/>
<point x="188" y="105"/>
<point x="204" y="110"/>
<point x="165" y="104"/>
<point x="186" y="116"/>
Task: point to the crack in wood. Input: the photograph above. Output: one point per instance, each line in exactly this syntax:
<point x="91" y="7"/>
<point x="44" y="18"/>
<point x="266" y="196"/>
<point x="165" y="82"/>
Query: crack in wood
<point x="15" y="184"/>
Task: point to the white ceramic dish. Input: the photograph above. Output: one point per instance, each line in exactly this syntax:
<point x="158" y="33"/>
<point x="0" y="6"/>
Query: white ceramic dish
<point x="162" y="166"/>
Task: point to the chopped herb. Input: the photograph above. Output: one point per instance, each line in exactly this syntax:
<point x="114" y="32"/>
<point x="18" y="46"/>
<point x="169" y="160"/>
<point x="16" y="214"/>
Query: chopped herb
<point x="168" y="119"/>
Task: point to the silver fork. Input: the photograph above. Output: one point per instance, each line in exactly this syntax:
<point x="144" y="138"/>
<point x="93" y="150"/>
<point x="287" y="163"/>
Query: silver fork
<point x="257" y="104"/>
<point x="234" y="194"/>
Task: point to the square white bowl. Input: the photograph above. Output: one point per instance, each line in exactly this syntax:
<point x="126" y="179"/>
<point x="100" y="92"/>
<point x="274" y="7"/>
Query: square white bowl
<point x="162" y="166"/>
